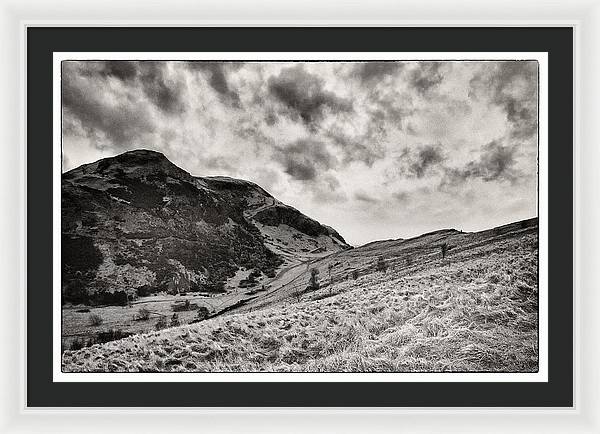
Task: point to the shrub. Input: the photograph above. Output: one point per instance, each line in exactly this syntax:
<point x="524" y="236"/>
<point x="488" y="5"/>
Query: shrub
<point x="161" y="323"/>
<point x="203" y="313"/>
<point x="116" y="298"/>
<point x="95" y="320"/>
<point x="250" y="280"/>
<point x="143" y="314"/>
<point x="144" y="291"/>
<point x="111" y="335"/>
<point x="183" y="307"/>
<point x="77" y="344"/>
<point x="409" y="260"/>
<point x="174" y="320"/>
<point x="355" y="274"/>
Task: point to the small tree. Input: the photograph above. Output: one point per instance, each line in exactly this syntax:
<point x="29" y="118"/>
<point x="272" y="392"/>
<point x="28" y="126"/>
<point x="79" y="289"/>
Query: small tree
<point x="174" y="320"/>
<point x="381" y="264"/>
<point x="444" y="248"/>
<point x="355" y="274"/>
<point x="313" y="282"/>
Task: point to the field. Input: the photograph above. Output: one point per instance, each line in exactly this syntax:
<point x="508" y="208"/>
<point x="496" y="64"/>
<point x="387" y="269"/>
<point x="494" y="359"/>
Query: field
<point x="78" y="325"/>
<point x="476" y="310"/>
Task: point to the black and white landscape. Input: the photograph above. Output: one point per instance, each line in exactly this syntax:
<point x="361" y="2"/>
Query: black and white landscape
<point x="299" y="216"/>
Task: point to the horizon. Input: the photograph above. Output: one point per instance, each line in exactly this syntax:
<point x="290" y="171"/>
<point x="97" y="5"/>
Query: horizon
<point x="376" y="150"/>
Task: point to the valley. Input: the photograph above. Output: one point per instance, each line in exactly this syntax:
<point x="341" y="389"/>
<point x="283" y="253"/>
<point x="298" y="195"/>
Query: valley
<point x="474" y="310"/>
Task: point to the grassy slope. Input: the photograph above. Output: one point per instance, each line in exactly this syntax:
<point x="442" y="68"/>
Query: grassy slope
<point x="475" y="311"/>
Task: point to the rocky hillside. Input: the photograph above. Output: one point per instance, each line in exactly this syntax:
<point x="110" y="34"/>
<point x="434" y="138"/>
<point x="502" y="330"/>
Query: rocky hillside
<point x="474" y="310"/>
<point x="136" y="224"/>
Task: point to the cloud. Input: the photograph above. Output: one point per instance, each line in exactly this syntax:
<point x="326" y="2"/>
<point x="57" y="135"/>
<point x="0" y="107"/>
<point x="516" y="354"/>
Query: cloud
<point x="305" y="159"/>
<point x="326" y="190"/>
<point x="426" y="76"/>
<point x="365" y="148"/>
<point x="121" y="69"/>
<point x="388" y="107"/>
<point x="361" y="196"/>
<point x="373" y="72"/>
<point x="496" y="163"/>
<point x="120" y="119"/>
<point x="513" y="86"/>
<point x="165" y="92"/>
<point x="304" y="96"/>
<point x="401" y="196"/>
<point x="217" y="79"/>
<point x="219" y="162"/>
<point x="417" y="163"/>
<point x="254" y="135"/>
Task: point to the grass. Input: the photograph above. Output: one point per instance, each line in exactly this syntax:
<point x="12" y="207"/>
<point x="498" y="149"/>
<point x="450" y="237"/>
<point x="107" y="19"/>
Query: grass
<point x="476" y="311"/>
<point x="141" y="317"/>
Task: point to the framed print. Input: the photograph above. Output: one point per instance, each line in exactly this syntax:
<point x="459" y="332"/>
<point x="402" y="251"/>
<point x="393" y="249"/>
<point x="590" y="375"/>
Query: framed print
<point x="264" y="269"/>
<point x="252" y="220"/>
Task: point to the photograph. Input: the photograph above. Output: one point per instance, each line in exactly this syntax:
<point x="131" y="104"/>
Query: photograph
<point x="299" y="216"/>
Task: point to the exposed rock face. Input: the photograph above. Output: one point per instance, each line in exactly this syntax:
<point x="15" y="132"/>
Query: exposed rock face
<point x="136" y="224"/>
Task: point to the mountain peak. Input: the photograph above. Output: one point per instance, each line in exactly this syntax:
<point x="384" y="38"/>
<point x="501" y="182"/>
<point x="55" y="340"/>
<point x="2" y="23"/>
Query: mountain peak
<point x="147" y="154"/>
<point x="138" y="158"/>
<point x="138" y="163"/>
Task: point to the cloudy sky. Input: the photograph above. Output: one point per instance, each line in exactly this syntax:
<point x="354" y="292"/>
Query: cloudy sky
<point x="376" y="150"/>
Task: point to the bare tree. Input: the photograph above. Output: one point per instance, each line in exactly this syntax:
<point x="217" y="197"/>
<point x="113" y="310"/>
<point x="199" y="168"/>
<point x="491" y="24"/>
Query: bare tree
<point x="444" y="248"/>
<point x="313" y="282"/>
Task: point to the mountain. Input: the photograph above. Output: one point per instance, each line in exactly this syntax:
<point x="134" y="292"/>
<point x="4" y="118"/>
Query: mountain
<point x="137" y="224"/>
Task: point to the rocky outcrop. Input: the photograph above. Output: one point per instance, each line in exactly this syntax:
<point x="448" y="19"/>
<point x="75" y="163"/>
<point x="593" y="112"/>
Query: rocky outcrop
<point x="137" y="224"/>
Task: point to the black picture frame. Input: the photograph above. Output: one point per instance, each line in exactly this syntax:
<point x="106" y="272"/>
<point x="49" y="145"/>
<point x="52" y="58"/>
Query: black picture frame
<point x="43" y="41"/>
